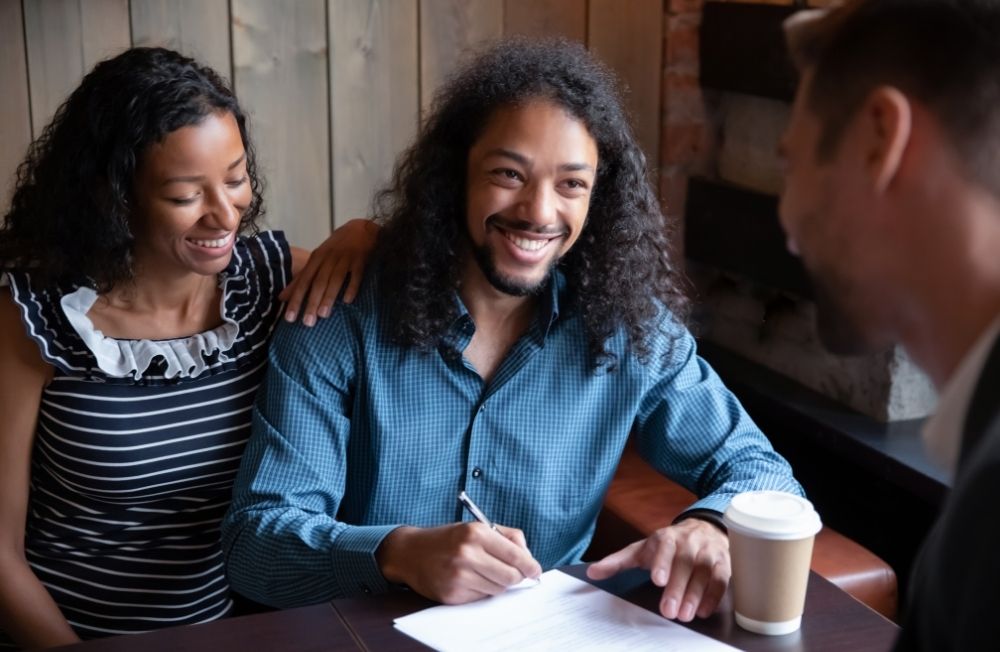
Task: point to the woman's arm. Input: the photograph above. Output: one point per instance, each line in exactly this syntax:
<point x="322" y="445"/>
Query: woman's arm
<point x="27" y="612"/>
<point x="322" y="273"/>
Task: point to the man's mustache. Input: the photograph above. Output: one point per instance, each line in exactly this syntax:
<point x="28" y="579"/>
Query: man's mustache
<point x="522" y="225"/>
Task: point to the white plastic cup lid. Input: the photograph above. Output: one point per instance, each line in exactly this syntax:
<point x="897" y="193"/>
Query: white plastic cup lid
<point x="772" y="515"/>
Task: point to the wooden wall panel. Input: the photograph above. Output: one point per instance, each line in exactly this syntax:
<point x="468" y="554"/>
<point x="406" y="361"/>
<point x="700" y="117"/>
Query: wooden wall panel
<point x="566" y="18"/>
<point x="105" y="29"/>
<point x="280" y="74"/>
<point x="628" y="36"/>
<point x="55" y="62"/>
<point x="448" y="29"/>
<point x="65" y="39"/>
<point x="197" y="28"/>
<point x="334" y="88"/>
<point x="15" y="112"/>
<point x="374" y="96"/>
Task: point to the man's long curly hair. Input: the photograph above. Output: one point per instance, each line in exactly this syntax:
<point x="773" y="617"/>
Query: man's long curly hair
<point x="619" y="273"/>
<point x="71" y="212"/>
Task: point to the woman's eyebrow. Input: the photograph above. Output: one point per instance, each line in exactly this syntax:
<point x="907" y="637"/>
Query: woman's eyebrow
<point x="199" y="177"/>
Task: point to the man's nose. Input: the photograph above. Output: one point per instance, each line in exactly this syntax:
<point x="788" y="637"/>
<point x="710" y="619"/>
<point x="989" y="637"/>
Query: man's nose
<point x="539" y="205"/>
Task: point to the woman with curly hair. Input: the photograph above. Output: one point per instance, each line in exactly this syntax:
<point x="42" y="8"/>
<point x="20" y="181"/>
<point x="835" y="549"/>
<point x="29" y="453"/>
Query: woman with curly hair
<point x="140" y="298"/>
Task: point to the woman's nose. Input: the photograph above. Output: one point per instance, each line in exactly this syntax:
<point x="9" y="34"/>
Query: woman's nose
<point x="223" y="212"/>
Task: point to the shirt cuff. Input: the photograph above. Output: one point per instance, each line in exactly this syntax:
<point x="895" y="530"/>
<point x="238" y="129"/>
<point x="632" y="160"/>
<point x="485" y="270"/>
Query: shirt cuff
<point x="710" y="515"/>
<point x="717" y="503"/>
<point x="354" y="558"/>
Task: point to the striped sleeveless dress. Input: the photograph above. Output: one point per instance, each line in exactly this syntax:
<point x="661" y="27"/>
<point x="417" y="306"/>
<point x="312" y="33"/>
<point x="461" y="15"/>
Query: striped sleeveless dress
<point x="136" y="449"/>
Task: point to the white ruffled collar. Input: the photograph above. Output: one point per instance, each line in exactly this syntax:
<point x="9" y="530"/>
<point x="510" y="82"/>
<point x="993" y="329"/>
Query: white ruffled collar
<point x="184" y="357"/>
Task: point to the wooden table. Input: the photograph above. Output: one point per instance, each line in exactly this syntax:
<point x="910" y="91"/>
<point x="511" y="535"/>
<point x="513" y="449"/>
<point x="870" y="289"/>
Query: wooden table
<point x="307" y="629"/>
<point x="833" y="621"/>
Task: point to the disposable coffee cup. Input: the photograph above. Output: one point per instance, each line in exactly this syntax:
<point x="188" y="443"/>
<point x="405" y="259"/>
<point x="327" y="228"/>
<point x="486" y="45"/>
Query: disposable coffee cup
<point x="770" y="541"/>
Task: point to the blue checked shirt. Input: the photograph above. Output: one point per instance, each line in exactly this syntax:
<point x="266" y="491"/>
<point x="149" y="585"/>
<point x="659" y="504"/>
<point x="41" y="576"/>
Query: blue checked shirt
<point x="354" y="436"/>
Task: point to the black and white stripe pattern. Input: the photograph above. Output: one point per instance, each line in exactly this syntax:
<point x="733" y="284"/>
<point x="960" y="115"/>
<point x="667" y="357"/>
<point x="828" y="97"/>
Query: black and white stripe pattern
<point x="130" y="478"/>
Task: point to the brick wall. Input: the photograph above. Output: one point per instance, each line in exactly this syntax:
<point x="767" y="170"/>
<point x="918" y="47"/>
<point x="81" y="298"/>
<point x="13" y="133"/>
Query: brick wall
<point x="688" y="143"/>
<point x="686" y="133"/>
<point x="733" y="137"/>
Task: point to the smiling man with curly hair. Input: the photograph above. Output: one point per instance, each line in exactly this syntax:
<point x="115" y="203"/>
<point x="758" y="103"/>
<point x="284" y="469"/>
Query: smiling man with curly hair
<point x="522" y="319"/>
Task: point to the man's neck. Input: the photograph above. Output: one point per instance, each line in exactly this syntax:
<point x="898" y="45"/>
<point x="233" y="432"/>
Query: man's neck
<point x="501" y="319"/>
<point x="491" y="309"/>
<point x="947" y="334"/>
<point x="956" y="295"/>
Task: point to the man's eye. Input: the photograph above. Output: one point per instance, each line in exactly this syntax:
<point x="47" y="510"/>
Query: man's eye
<point x="508" y="173"/>
<point x="181" y="201"/>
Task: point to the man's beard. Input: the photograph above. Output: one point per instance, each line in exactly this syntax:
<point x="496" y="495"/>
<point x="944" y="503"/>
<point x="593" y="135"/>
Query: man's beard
<point x="839" y="329"/>
<point x="506" y="284"/>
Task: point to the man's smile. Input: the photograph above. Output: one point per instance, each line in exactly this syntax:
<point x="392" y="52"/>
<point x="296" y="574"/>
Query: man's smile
<point x="527" y="244"/>
<point x="525" y="239"/>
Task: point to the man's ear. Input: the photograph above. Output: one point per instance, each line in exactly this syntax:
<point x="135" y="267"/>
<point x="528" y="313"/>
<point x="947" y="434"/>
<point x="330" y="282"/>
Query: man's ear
<point x="887" y="118"/>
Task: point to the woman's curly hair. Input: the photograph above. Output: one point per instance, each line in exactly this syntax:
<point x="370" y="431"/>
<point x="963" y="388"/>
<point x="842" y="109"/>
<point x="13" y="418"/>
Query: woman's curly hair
<point x="619" y="272"/>
<point x="70" y="215"/>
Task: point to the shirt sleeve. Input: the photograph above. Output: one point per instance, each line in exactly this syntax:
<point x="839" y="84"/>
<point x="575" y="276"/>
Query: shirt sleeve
<point x="284" y="546"/>
<point x="692" y="429"/>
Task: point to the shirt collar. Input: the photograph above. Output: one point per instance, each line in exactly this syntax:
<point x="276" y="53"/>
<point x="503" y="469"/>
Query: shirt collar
<point x="943" y="431"/>
<point x="548" y="312"/>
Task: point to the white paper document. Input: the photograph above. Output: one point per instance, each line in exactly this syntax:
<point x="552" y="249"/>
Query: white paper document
<point x="560" y="613"/>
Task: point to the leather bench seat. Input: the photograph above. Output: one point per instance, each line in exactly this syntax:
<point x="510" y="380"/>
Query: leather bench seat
<point x="640" y="501"/>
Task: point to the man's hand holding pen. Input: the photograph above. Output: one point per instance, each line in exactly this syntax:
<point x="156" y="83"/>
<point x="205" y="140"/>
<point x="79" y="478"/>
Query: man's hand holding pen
<point x="460" y="562"/>
<point x="457" y="563"/>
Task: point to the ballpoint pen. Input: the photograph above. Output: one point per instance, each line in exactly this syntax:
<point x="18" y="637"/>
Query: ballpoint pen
<point x="473" y="508"/>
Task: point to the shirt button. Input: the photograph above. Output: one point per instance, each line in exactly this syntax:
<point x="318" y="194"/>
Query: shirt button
<point x="477" y="472"/>
<point x="482" y="408"/>
<point x="365" y="589"/>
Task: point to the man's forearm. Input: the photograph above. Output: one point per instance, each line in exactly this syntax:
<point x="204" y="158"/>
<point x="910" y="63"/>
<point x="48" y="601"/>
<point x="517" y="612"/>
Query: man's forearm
<point x="288" y="558"/>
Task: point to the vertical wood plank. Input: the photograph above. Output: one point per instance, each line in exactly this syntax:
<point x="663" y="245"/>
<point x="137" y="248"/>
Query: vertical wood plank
<point x="628" y="36"/>
<point x="196" y="28"/>
<point x="280" y="75"/>
<point x="15" y="112"/>
<point x="55" y="55"/>
<point x="65" y="39"/>
<point x="448" y="29"/>
<point x="541" y="18"/>
<point x="106" y="30"/>
<point x="374" y="96"/>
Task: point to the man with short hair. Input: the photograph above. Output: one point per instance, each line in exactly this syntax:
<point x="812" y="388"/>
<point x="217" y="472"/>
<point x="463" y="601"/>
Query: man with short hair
<point x="892" y="199"/>
<point x="521" y="319"/>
